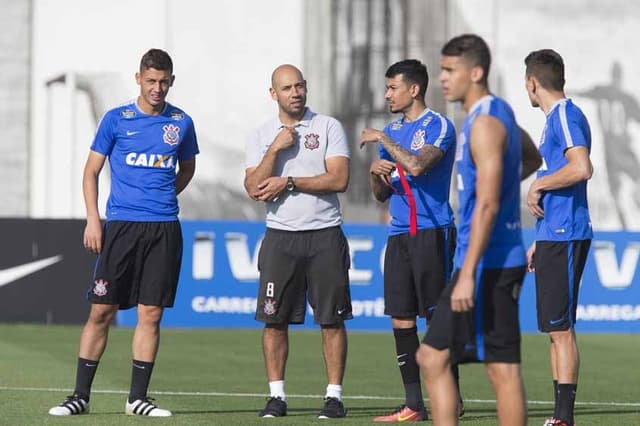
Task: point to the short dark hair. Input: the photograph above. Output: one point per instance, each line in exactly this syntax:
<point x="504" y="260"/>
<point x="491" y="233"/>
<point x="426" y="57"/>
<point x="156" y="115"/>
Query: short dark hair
<point x="473" y="48"/>
<point x="413" y="71"/>
<point x="156" y="59"/>
<point x="547" y="66"/>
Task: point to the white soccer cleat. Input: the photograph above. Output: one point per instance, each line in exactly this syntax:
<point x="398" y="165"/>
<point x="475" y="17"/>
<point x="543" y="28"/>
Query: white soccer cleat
<point x="145" y="407"/>
<point x="72" y="405"/>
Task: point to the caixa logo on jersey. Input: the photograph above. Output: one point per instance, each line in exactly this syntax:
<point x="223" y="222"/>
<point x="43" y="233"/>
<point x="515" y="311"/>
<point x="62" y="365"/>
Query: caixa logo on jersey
<point x="145" y="159"/>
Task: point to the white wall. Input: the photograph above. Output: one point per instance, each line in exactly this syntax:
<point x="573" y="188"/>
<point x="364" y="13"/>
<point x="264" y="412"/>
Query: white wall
<point x="223" y="52"/>
<point x="590" y="35"/>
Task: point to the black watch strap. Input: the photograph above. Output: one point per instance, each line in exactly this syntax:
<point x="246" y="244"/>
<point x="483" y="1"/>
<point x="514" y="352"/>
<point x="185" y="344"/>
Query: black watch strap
<point x="291" y="184"/>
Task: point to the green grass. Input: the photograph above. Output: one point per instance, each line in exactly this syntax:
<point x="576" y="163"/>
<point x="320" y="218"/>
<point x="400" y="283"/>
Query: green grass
<point x="37" y="360"/>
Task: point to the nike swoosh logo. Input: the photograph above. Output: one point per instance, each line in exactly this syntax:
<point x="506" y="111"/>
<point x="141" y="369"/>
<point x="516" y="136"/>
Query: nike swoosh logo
<point x="90" y="365"/>
<point x="141" y="367"/>
<point x="412" y="416"/>
<point x="409" y="417"/>
<point x="14" y="273"/>
<point x="554" y="322"/>
<point x="132" y="132"/>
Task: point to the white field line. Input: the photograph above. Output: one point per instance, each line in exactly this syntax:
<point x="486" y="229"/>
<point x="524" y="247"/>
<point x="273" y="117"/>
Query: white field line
<point x="262" y="395"/>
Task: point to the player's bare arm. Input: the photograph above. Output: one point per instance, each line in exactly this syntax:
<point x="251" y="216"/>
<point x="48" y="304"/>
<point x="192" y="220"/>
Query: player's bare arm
<point x="93" y="230"/>
<point x="335" y="179"/>
<point x="531" y="160"/>
<point x="487" y="144"/>
<point x="270" y="189"/>
<point x="186" y="170"/>
<point x="380" y="178"/>
<point x="254" y="176"/>
<point x="414" y="164"/>
<point x="531" y="253"/>
<point x="577" y="169"/>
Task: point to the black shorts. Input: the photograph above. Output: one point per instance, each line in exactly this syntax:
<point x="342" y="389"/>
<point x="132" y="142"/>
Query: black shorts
<point x="488" y="333"/>
<point x="416" y="271"/>
<point x="292" y="263"/>
<point x="139" y="264"/>
<point x="559" y="266"/>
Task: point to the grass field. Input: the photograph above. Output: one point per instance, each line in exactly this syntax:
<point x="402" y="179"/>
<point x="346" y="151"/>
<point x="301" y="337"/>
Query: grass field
<point x="215" y="377"/>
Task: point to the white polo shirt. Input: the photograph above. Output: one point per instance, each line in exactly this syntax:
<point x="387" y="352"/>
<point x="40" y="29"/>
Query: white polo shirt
<point x="320" y="137"/>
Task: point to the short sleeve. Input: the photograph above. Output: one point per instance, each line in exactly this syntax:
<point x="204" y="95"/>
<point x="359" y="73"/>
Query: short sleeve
<point x="337" y="144"/>
<point x="441" y="133"/>
<point x="104" y="139"/>
<point x="253" y="151"/>
<point x="569" y="130"/>
<point x="189" y="145"/>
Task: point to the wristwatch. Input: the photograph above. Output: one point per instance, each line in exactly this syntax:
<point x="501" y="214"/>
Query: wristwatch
<point x="291" y="184"/>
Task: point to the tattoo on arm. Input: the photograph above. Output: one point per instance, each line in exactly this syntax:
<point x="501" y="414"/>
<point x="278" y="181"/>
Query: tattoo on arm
<point x="414" y="164"/>
<point x="381" y="191"/>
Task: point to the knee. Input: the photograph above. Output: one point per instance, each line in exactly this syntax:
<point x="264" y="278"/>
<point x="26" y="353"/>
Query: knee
<point x="493" y="373"/>
<point x="149" y="315"/>
<point x="403" y="322"/>
<point x="501" y="373"/>
<point x="431" y="360"/>
<point x="273" y="331"/>
<point x="333" y="329"/>
<point x="276" y="328"/>
<point x="562" y="337"/>
<point x="102" y="315"/>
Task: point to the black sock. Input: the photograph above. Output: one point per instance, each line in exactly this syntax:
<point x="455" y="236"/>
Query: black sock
<point x="566" y="401"/>
<point x="85" y="373"/>
<point x="555" y="398"/>
<point x="456" y="377"/>
<point x="407" y="344"/>
<point x="140" y="377"/>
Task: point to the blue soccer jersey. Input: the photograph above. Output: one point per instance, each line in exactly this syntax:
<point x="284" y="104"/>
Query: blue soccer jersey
<point x="425" y="198"/>
<point x="566" y="213"/>
<point x="505" y="248"/>
<point x="143" y="152"/>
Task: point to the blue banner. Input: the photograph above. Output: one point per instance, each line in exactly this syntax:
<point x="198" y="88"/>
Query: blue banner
<point x="219" y="280"/>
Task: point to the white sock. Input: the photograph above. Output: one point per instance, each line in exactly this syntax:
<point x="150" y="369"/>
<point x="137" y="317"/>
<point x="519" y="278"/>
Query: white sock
<point x="334" y="391"/>
<point x="277" y="389"/>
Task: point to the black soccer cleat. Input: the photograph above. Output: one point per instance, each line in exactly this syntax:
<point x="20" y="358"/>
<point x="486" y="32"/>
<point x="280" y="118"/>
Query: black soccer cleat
<point x="333" y="409"/>
<point x="275" y="407"/>
<point x="460" y="408"/>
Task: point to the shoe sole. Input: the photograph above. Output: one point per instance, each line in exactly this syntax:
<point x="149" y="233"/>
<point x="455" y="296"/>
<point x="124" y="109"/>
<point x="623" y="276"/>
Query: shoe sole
<point x="147" y="415"/>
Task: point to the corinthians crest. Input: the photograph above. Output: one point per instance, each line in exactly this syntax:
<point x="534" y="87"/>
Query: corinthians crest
<point x="100" y="288"/>
<point x="270" y="306"/>
<point x="171" y="134"/>
<point x="311" y="141"/>
<point x="418" y="140"/>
